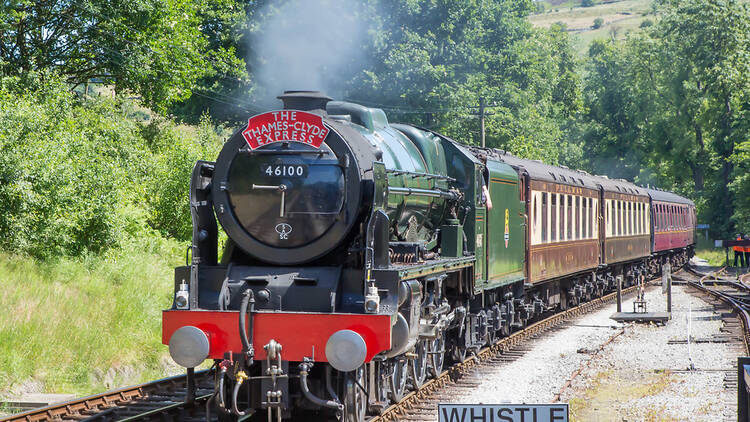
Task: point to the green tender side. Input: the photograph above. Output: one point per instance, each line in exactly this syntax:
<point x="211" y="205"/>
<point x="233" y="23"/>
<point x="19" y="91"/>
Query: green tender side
<point x="506" y="238"/>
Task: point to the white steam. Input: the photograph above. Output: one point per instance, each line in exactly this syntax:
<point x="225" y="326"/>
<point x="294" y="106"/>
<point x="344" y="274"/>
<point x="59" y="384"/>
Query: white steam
<point x="307" y="45"/>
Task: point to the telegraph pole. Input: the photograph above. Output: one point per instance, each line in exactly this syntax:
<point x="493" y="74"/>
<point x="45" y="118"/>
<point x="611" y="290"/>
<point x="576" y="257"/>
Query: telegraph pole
<point x="482" y="113"/>
<point x="481" y="117"/>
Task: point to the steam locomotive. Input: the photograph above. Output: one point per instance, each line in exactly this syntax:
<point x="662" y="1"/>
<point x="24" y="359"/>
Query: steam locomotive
<point x="362" y="255"/>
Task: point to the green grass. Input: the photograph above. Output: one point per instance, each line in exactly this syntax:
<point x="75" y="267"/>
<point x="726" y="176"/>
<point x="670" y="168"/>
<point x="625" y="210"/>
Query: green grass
<point x="88" y="324"/>
<point x="620" y="18"/>
<point x="705" y="249"/>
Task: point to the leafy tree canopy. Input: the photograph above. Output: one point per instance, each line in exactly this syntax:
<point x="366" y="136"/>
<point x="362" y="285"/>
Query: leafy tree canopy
<point x="155" y="48"/>
<point x="676" y="99"/>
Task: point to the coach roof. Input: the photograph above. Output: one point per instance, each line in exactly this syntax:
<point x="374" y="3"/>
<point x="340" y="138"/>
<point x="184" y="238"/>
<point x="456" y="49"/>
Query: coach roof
<point x="664" y="196"/>
<point x="537" y="170"/>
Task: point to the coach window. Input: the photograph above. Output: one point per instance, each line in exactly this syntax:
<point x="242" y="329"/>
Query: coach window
<point x="577" y="217"/>
<point x="534" y="216"/>
<point x="643" y="218"/>
<point x="545" y="217"/>
<point x="660" y="216"/>
<point x="565" y="218"/>
<point x="581" y="218"/>
<point x="628" y="220"/>
<point x="683" y="217"/>
<point x="670" y="213"/>
<point x="619" y="218"/>
<point x="553" y="219"/>
<point x="640" y="218"/>
<point x="614" y="218"/>
<point x="669" y="217"/>
<point x="637" y="218"/>
<point x="672" y="218"/>
<point x="589" y="217"/>
<point x="586" y="218"/>
<point x="589" y="210"/>
<point x="571" y="218"/>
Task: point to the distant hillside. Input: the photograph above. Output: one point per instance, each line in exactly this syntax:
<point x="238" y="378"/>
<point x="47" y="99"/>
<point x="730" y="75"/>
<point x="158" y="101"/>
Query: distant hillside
<point x="618" y="18"/>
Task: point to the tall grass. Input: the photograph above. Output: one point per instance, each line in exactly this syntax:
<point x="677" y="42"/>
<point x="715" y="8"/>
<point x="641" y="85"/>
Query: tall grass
<point x="94" y="203"/>
<point x="705" y="249"/>
<point x="80" y="325"/>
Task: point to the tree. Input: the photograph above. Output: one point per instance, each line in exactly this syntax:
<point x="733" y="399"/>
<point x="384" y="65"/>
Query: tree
<point x="154" y="48"/>
<point x="675" y="99"/>
<point x="433" y="60"/>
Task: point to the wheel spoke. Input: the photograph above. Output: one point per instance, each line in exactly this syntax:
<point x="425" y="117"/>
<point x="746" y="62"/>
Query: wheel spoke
<point x="397" y="380"/>
<point x="355" y="400"/>
<point x="418" y="365"/>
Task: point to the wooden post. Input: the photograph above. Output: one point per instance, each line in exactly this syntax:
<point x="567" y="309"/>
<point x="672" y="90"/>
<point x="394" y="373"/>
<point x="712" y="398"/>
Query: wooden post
<point x="481" y="117"/>
<point x="619" y="293"/>
<point x="669" y="296"/>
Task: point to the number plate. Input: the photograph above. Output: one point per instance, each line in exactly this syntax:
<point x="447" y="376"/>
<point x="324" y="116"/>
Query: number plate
<point x="284" y="170"/>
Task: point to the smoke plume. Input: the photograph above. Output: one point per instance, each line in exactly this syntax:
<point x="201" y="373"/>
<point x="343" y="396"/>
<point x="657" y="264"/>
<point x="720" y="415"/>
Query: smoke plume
<point x="307" y="45"/>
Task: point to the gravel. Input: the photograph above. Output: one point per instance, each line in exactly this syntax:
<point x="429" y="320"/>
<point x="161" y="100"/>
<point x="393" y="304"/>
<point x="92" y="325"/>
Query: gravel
<point x="637" y="376"/>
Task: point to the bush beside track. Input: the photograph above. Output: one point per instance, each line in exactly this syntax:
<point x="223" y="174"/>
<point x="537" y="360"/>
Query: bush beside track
<point x="95" y="216"/>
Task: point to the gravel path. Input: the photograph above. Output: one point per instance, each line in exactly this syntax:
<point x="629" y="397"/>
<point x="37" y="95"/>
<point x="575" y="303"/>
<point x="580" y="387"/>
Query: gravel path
<point x="639" y="376"/>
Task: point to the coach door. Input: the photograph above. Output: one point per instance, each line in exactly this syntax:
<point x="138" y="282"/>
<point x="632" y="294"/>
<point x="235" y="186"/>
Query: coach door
<point x="480" y="229"/>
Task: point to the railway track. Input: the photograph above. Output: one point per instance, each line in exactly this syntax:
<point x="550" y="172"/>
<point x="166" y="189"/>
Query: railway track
<point x="734" y="293"/>
<point x="165" y="399"/>
<point x="422" y="403"/>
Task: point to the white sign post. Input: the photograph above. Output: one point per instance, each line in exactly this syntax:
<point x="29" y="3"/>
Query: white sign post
<point x="503" y="412"/>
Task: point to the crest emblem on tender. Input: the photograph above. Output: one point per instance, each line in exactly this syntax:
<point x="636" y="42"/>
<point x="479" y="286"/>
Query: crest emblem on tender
<point x="507" y="227"/>
<point x="283" y="229"/>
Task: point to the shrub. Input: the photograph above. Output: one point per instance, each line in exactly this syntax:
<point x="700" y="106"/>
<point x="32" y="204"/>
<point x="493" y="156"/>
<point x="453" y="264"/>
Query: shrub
<point x="598" y="22"/>
<point x="646" y="23"/>
<point x="587" y="3"/>
<point x="81" y="176"/>
<point x="177" y="150"/>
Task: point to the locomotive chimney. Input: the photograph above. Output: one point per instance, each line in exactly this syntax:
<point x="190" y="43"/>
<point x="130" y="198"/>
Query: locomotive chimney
<point x="312" y="101"/>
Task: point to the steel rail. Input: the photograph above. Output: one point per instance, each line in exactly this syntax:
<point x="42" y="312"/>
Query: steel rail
<point x="399" y="410"/>
<point x="96" y="406"/>
<point x="740" y="308"/>
<point x="91" y="406"/>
